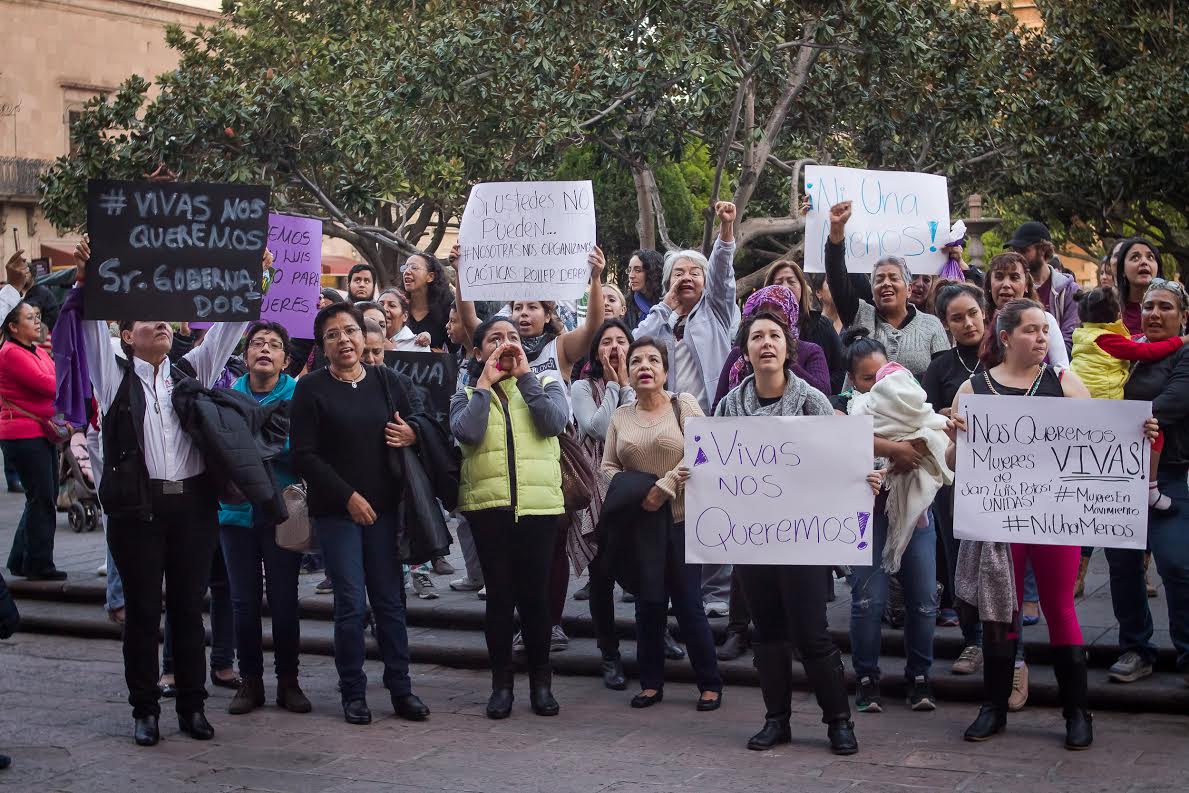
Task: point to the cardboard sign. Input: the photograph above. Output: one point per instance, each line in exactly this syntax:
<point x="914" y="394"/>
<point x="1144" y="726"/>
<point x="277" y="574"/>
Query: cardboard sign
<point x="1051" y="471"/>
<point x="526" y="241"/>
<point x="175" y="251"/>
<point x="893" y="213"/>
<point x="293" y="284"/>
<point x="778" y="490"/>
<point x="434" y="372"/>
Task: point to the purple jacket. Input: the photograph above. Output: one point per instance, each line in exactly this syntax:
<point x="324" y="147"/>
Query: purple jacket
<point x="1063" y="305"/>
<point x="810" y="367"/>
<point x="70" y="362"/>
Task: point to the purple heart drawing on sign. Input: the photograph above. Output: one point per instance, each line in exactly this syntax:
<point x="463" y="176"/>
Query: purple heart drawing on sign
<point x="863" y="518"/>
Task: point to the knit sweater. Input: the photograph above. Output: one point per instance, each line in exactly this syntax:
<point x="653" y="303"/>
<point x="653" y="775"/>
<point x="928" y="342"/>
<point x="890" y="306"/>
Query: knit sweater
<point x="656" y="446"/>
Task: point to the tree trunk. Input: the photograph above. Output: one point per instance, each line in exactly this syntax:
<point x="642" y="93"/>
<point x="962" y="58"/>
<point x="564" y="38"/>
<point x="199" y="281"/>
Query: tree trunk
<point x="646" y="220"/>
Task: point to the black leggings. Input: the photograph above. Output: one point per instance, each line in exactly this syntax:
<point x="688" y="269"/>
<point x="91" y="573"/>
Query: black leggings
<point x="516" y="557"/>
<point x="788" y="604"/>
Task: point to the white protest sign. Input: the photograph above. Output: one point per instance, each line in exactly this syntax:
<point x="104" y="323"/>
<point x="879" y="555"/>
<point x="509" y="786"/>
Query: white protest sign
<point x="526" y="241"/>
<point x="778" y="490"/>
<point x="893" y="213"/>
<point x="1048" y="471"/>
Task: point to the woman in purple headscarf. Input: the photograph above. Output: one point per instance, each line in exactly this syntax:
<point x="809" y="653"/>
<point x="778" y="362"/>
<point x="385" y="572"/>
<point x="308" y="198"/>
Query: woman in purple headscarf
<point x="811" y="360"/>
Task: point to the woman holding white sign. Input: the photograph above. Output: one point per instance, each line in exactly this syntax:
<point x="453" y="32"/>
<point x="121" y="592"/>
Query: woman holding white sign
<point x="788" y="603"/>
<point x="990" y="576"/>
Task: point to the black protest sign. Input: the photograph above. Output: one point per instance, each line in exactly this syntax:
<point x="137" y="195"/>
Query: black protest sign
<point x="175" y="251"/>
<point x="434" y="372"/>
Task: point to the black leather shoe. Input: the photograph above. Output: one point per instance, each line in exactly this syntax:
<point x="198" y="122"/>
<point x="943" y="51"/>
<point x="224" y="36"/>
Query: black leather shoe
<point x="540" y="692"/>
<point x="233" y="683"/>
<point x="49" y="574"/>
<point x="499" y="704"/>
<point x="647" y="701"/>
<point x="168" y="691"/>
<point x="145" y="731"/>
<point x="1079" y="730"/>
<point x="196" y="726"/>
<point x="249" y="697"/>
<point x="356" y="712"/>
<point x="291" y="697"/>
<point x="613" y="674"/>
<point x="733" y="646"/>
<point x="410" y="707"/>
<point x="5" y="760"/>
<point x="989" y="723"/>
<point x="673" y="650"/>
<point x="774" y="731"/>
<point x="710" y="704"/>
<point x="841" y="733"/>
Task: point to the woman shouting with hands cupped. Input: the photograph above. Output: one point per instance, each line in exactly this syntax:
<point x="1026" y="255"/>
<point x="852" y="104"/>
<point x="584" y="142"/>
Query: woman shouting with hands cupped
<point x="344" y="419"/>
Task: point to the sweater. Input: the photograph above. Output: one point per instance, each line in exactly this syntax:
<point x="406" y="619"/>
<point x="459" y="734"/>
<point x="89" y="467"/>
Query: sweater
<point x="656" y="446"/>
<point x="26" y="382"/>
<point x="337" y="439"/>
<point x="799" y="399"/>
<point x="912" y="345"/>
<point x="810" y="366"/>
<point x="947" y="372"/>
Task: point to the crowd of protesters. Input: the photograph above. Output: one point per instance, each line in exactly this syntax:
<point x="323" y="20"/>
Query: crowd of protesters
<point x="561" y="452"/>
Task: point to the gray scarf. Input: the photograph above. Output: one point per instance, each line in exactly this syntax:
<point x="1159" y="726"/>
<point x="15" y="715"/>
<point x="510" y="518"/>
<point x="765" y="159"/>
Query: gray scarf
<point x="799" y="400"/>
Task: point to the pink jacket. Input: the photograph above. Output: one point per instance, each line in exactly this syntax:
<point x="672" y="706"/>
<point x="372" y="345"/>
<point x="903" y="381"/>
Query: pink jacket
<point x="27" y="381"/>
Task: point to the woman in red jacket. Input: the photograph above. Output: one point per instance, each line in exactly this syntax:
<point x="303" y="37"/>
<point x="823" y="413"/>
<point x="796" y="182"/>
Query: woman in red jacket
<point x="27" y="390"/>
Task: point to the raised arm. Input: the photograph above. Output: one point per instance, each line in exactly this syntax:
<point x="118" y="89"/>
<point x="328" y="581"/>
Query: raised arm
<point x="575" y="344"/>
<point x="466" y="308"/>
<point x="846" y="299"/>
<point x="101" y="358"/>
<point x="720" y="281"/>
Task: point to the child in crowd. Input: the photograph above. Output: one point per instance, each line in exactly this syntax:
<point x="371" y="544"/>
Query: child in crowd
<point x="1102" y="350"/>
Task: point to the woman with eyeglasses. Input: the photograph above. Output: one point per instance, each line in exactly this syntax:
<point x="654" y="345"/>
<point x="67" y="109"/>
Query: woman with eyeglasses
<point x="910" y="336"/>
<point x="430" y="298"/>
<point x="344" y="419"/>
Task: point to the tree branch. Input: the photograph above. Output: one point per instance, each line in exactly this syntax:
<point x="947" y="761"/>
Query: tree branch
<point x="757" y="227"/>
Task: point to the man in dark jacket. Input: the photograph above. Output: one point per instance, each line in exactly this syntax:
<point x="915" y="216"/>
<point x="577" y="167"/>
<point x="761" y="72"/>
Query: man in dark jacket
<point x="1058" y="291"/>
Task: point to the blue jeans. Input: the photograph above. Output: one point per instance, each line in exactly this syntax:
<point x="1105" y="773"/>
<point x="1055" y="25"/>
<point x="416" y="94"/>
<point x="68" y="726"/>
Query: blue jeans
<point x="222" y="623"/>
<point x="36" y="460"/>
<point x="115" y="584"/>
<point x="683" y="582"/>
<point x="1170" y="551"/>
<point x="869" y="596"/>
<point x="245" y="549"/>
<point x="362" y="562"/>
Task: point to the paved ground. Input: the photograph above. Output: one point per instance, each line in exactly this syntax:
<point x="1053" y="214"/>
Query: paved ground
<point x="63" y="719"/>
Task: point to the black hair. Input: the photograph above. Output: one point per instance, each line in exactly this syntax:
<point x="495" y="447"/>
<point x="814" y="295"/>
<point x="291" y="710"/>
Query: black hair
<point x="649" y="341"/>
<point x="790" y="339"/>
<point x="654" y="267"/>
<point x="14" y="316"/>
<point x="329" y="313"/>
<point x="401" y="298"/>
<point x="1125" y="246"/>
<point x="474" y="365"/>
<point x="596" y="366"/>
<point x="438" y="290"/>
<point x="857" y="346"/>
<point x="951" y="292"/>
<point x="333" y="295"/>
<point x="1007" y="318"/>
<point x="265" y="326"/>
<point x="358" y="268"/>
<point x="1099" y="305"/>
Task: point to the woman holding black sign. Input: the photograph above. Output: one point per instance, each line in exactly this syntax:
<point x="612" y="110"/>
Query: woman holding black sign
<point x="345" y="418"/>
<point x="990" y="576"/>
<point x="788" y="603"/>
<point x="162" y="510"/>
<point x="507" y="424"/>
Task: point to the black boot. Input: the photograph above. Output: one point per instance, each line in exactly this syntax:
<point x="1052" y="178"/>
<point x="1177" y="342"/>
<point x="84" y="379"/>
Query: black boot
<point x="1069" y="665"/>
<point x="614" y="677"/>
<point x="774" y="663"/>
<point x="540" y="691"/>
<point x="499" y="705"/>
<point x="828" y="678"/>
<point x="145" y="730"/>
<point x="999" y="665"/>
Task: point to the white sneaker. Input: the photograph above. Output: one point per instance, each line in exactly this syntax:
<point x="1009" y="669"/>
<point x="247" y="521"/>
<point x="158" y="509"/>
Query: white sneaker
<point x="423" y="586"/>
<point x="717" y="608"/>
<point x="482" y="594"/>
<point x="465" y="585"/>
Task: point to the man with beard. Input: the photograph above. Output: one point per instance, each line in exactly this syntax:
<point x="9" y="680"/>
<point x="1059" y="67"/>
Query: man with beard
<point x="1058" y="291"/>
<point x="361" y="283"/>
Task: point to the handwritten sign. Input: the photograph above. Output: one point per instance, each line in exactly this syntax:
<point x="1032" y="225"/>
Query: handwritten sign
<point x="434" y="372"/>
<point x="292" y="285"/>
<point x="1047" y="471"/>
<point x="778" y="490"/>
<point x="893" y="213"/>
<point x="175" y="251"/>
<point x="526" y="241"/>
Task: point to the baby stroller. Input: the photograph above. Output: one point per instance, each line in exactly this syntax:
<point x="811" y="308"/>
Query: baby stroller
<point x="76" y="494"/>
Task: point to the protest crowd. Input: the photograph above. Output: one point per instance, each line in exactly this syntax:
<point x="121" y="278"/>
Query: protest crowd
<point x="230" y="458"/>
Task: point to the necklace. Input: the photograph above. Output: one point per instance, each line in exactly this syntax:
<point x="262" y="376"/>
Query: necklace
<point x="969" y="369"/>
<point x="354" y="383"/>
<point x="1031" y="391"/>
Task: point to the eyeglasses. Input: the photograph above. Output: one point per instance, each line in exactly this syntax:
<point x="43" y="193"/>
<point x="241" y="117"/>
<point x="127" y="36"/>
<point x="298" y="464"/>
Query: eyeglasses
<point x="412" y="268"/>
<point x="1168" y="286"/>
<point x="352" y="332"/>
<point x="260" y="344"/>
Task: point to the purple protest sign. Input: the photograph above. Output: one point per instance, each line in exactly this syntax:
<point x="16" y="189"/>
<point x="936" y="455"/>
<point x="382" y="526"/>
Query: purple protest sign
<point x="292" y="285"/>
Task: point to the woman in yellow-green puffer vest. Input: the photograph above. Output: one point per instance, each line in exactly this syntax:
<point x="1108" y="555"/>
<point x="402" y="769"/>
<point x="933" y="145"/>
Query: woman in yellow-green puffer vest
<point x="507" y="424"/>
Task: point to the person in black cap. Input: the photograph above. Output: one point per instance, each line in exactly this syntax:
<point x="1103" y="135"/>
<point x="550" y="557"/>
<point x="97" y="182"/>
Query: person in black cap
<point x="1058" y="290"/>
<point x="361" y="282"/>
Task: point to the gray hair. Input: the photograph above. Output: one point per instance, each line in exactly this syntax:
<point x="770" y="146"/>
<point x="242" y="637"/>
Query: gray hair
<point x="905" y="273"/>
<point x="672" y="257"/>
